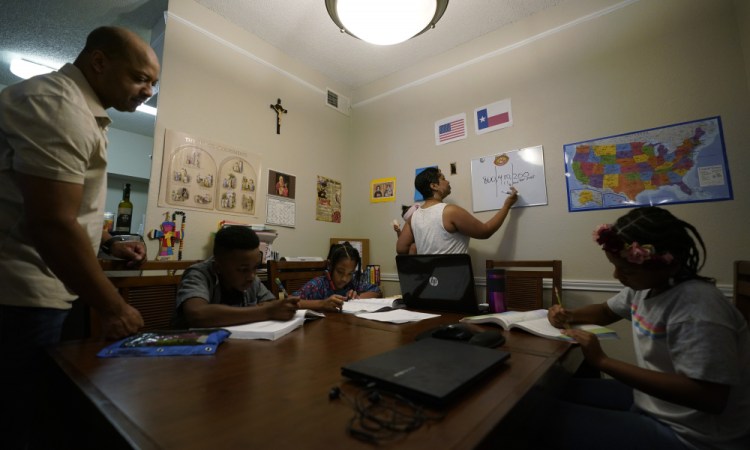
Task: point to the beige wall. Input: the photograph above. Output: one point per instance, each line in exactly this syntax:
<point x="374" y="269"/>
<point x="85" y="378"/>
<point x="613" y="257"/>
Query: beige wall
<point x="638" y="65"/>
<point x="585" y="69"/>
<point x="217" y="83"/>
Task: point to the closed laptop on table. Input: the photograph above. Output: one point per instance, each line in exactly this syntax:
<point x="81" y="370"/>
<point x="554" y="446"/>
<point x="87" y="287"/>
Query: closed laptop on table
<point x="430" y="371"/>
<point x="437" y="282"/>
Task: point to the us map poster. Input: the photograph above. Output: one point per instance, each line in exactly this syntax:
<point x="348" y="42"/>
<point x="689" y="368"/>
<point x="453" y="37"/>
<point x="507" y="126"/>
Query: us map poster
<point x="328" y="203"/>
<point x="197" y="173"/>
<point x="680" y="163"/>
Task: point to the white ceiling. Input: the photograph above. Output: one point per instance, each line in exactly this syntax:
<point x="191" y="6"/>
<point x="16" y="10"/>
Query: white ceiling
<point x="54" y="31"/>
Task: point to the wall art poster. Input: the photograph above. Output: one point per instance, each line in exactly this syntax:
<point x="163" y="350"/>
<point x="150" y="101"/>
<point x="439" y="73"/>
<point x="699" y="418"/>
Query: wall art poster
<point x="201" y="174"/>
<point x="680" y="163"/>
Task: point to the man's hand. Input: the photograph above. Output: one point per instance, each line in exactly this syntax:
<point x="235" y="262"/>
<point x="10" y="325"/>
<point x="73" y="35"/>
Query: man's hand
<point x="132" y="251"/>
<point x="120" y="324"/>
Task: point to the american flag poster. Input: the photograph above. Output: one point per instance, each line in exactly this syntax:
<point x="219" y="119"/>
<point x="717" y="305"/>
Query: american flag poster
<point x="450" y="129"/>
<point x="493" y="117"/>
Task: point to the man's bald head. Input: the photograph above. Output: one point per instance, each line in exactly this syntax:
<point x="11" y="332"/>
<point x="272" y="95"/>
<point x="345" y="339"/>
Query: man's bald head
<point x="120" y="66"/>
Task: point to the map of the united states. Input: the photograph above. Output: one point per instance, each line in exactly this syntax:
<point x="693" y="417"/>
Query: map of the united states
<point x="672" y="164"/>
<point x="633" y="167"/>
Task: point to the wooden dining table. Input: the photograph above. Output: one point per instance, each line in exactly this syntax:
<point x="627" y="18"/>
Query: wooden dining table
<point x="275" y="394"/>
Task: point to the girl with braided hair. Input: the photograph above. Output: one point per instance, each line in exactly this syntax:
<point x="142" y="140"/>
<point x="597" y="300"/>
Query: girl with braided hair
<point x="342" y="281"/>
<point x="690" y="388"/>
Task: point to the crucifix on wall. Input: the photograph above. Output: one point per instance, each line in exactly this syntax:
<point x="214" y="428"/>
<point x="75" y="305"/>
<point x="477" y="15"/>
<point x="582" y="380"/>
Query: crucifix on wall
<point x="279" y="110"/>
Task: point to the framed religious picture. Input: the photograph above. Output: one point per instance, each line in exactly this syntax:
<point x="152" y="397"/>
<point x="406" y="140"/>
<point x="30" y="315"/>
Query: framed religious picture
<point x="383" y="190"/>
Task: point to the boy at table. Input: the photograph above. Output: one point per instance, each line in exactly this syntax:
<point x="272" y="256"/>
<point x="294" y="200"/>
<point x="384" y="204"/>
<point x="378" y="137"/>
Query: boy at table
<point x="224" y="291"/>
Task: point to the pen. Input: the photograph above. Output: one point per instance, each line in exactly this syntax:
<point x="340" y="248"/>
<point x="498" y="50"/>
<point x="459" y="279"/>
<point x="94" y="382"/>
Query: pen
<point x="281" y="287"/>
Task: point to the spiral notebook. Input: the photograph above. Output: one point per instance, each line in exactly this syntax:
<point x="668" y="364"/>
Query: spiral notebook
<point x="437" y="282"/>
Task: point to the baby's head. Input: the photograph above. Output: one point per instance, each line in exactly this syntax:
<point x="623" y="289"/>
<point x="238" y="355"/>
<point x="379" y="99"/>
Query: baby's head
<point x="407" y="211"/>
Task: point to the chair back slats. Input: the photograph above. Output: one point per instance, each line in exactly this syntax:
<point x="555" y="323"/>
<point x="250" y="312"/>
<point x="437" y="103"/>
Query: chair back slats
<point x="742" y="287"/>
<point x="524" y="290"/>
<point x="293" y="274"/>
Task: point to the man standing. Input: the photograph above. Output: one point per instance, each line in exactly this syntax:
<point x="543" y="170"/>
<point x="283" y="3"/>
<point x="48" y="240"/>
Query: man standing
<point x="52" y="188"/>
<point x="436" y="227"/>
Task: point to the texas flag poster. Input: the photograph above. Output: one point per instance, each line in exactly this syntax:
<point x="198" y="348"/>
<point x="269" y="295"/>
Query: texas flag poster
<point x="493" y="117"/>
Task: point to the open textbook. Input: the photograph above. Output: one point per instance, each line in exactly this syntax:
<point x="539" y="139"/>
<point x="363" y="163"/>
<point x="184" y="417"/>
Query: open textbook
<point x="535" y="322"/>
<point x="368" y="305"/>
<point x="272" y="329"/>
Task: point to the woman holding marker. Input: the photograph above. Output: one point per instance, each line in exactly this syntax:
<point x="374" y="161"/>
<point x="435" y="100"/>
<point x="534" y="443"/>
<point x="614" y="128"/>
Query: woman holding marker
<point x="690" y="386"/>
<point x="437" y="227"/>
<point x="341" y="282"/>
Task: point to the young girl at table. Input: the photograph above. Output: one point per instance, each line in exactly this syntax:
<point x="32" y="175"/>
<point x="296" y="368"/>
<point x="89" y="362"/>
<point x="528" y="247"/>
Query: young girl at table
<point x="690" y="388"/>
<point x="342" y="281"/>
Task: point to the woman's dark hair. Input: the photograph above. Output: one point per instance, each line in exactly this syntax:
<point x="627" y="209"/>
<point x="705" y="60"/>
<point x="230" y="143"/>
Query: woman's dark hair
<point x="341" y="251"/>
<point x="235" y="238"/>
<point x="425" y="178"/>
<point x="658" y="227"/>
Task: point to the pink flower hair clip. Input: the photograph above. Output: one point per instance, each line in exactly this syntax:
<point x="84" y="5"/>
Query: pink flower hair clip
<point x="606" y="236"/>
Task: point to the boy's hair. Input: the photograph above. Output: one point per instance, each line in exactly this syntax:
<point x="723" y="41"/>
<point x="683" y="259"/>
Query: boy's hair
<point x="235" y="238"/>
<point x="659" y="228"/>
<point x="345" y="250"/>
<point x="425" y="178"/>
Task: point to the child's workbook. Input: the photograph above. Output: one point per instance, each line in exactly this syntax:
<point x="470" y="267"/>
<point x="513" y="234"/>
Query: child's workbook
<point x="536" y="322"/>
<point x="271" y="329"/>
<point x="365" y="305"/>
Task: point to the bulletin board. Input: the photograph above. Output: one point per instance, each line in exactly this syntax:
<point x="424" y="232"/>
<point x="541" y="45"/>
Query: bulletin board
<point x="493" y="175"/>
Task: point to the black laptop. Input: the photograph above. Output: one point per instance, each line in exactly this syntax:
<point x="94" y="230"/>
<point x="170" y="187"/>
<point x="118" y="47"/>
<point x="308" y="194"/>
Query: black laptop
<point x="432" y="372"/>
<point x="437" y="282"/>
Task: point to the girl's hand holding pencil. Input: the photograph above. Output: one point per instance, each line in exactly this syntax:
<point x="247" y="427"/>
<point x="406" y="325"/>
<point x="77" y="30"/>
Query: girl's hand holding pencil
<point x="557" y="315"/>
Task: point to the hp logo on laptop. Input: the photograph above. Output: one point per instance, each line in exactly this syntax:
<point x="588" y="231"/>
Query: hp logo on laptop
<point x="433" y="281"/>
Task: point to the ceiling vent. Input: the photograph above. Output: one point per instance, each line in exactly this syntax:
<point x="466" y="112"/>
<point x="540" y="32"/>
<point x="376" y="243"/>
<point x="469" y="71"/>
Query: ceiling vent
<point x="338" y="102"/>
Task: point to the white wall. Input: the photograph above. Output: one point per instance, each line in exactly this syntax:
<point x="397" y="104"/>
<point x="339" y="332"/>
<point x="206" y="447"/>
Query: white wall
<point x="578" y="71"/>
<point x="129" y="161"/>
<point x="217" y="83"/>
<point x="582" y="70"/>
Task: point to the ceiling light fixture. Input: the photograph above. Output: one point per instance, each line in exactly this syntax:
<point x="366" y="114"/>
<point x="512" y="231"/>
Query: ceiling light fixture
<point x="385" y="22"/>
<point x="26" y="69"/>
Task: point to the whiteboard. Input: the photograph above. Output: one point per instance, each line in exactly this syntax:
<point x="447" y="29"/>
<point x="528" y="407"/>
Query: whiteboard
<point x="493" y="175"/>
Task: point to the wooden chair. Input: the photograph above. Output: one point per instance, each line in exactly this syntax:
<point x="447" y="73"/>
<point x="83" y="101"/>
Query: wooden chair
<point x="293" y="274"/>
<point x="742" y="287"/>
<point x="523" y="282"/>
<point x="152" y="295"/>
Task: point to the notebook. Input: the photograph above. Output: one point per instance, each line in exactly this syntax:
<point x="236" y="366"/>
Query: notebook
<point x="433" y="372"/>
<point x="437" y="282"/>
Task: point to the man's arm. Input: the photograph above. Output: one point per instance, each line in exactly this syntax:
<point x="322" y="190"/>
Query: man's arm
<point x="133" y="251"/>
<point x="199" y="313"/>
<point x="51" y="212"/>
<point x="458" y="219"/>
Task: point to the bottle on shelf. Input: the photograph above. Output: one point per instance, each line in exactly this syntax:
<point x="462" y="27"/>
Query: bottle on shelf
<point x="124" y="212"/>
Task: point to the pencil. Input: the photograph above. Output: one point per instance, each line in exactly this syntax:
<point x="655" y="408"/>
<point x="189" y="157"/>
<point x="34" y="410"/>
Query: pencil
<point x="559" y="302"/>
<point x="281" y="287"/>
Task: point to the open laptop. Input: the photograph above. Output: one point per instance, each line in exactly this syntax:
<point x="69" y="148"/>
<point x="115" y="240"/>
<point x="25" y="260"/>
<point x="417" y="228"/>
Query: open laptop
<point x="437" y="282"/>
<point x="432" y="372"/>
